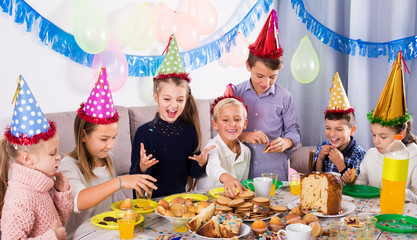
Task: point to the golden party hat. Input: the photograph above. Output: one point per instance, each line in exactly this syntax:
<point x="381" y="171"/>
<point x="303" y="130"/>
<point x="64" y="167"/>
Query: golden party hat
<point x="391" y="109"/>
<point x="339" y="102"/>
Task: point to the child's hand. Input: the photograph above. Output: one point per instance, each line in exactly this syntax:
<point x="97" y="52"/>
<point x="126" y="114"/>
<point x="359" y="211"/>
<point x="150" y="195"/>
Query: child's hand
<point x="254" y="137"/>
<point x="59" y="230"/>
<point x="347" y="177"/>
<point x="202" y="158"/>
<point x="337" y="158"/>
<point x="61" y="183"/>
<point x="230" y="184"/>
<point x="324" y="151"/>
<point x="138" y="182"/>
<point x="146" y="161"/>
<point x="280" y="144"/>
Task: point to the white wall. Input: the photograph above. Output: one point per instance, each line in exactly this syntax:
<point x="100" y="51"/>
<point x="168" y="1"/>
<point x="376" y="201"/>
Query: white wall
<point x="59" y="84"/>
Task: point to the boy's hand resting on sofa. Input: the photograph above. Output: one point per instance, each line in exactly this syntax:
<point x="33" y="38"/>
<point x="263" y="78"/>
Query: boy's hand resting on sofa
<point x="146" y="161"/>
<point x="202" y="158"/>
<point x="230" y="184"/>
<point x="254" y="137"/>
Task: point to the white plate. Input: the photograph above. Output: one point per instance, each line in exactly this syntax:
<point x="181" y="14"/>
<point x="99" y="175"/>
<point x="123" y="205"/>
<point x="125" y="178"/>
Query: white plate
<point x="251" y="220"/>
<point x="347" y="198"/>
<point x="243" y="231"/>
<point x="166" y="217"/>
<point x="347" y="208"/>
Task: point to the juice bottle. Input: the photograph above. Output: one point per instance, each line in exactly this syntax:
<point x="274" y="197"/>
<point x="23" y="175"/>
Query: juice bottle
<point x="394" y="177"/>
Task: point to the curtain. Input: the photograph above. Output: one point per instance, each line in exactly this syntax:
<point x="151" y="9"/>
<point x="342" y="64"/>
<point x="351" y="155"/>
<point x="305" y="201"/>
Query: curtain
<point x="363" y="77"/>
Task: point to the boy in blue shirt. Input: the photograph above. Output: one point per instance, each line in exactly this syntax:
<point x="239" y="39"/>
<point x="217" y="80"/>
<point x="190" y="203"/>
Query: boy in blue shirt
<point x="339" y="153"/>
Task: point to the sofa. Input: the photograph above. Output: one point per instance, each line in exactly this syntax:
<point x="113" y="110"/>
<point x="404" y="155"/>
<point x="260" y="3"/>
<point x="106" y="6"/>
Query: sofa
<point x="133" y="117"/>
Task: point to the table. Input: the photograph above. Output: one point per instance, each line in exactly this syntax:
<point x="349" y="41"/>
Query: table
<point x="154" y="225"/>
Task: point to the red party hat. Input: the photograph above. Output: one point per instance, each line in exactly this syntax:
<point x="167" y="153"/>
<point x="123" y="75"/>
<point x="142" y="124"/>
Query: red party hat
<point x="267" y="43"/>
<point x="229" y="93"/>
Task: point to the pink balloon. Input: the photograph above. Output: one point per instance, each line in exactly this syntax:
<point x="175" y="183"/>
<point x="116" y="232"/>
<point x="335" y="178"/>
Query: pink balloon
<point x="116" y="65"/>
<point x="238" y="53"/>
<point x="207" y="16"/>
<point x="186" y="33"/>
<point x="165" y="22"/>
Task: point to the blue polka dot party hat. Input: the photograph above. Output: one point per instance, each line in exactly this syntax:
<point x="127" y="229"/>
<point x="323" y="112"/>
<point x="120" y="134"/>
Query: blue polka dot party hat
<point x="29" y="124"/>
<point x="172" y="66"/>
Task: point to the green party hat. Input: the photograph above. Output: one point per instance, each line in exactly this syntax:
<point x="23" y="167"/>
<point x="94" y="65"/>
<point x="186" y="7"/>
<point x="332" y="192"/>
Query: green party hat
<point x="172" y="66"/>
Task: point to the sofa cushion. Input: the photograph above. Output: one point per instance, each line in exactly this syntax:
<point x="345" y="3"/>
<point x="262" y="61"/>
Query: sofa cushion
<point x="141" y="115"/>
<point x="299" y="158"/>
<point x="121" y="150"/>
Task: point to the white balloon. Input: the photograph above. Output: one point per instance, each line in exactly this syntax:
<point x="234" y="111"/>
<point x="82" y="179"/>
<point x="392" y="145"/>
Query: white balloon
<point x="146" y="90"/>
<point x="117" y="21"/>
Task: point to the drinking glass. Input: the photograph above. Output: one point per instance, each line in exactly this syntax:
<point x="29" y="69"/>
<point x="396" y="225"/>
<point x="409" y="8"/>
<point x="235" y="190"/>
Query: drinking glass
<point x="144" y="200"/>
<point x="180" y="221"/>
<point x="339" y="231"/>
<point x="126" y="222"/>
<point x="295" y="183"/>
<point x="274" y="178"/>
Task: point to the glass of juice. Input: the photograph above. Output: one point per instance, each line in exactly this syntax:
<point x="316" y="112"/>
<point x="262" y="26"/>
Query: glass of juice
<point x="295" y="183"/>
<point x="368" y="223"/>
<point x="145" y="199"/>
<point x="274" y="177"/>
<point x="126" y="223"/>
<point x="180" y="221"/>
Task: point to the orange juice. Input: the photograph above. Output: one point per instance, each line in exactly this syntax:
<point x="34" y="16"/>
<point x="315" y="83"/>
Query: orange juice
<point x="126" y="228"/>
<point x="295" y="187"/>
<point x="180" y="224"/>
<point x="392" y="196"/>
<point x="272" y="193"/>
<point x="143" y="202"/>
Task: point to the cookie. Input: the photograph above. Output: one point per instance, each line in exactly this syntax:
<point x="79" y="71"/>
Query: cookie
<point x="261" y="201"/>
<point x="277" y="208"/>
<point x="222" y="208"/>
<point x="245" y="205"/>
<point x="246" y="195"/>
<point x="223" y="200"/>
<point x="236" y="202"/>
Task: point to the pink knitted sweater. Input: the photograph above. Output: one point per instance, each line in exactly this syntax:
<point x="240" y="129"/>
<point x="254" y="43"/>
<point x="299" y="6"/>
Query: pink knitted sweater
<point x="30" y="208"/>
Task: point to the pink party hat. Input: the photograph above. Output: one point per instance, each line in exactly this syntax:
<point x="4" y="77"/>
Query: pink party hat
<point x="229" y="93"/>
<point x="99" y="108"/>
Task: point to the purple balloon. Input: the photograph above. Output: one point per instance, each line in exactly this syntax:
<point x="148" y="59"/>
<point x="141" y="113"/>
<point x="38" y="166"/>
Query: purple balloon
<point x="115" y="62"/>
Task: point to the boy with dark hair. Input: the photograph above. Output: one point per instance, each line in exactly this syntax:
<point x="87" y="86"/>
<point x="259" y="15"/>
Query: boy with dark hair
<point x="272" y="119"/>
<point x="339" y="153"/>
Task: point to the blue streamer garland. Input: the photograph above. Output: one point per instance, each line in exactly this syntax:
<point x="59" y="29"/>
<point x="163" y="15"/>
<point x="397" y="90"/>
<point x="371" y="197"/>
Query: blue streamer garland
<point x="139" y="66"/>
<point x="345" y="45"/>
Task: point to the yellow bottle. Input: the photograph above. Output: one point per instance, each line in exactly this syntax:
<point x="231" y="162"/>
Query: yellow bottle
<point x="394" y="177"/>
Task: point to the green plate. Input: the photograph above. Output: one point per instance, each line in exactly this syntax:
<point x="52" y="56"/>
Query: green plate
<point x="397" y="223"/>
<point x="361" y="191"/>
<point x="246" y="182"/>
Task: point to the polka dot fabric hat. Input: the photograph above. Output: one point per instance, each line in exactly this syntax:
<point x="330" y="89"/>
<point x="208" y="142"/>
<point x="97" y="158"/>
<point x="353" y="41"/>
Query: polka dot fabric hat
<point x="339" y="102"/>
<point x="29" y="124"/>
<point x="172" y="65"/>
<point x="99" y="107"/>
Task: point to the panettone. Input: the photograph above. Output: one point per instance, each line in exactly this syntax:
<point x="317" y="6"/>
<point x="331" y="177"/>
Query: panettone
<point x="321" y="192"/>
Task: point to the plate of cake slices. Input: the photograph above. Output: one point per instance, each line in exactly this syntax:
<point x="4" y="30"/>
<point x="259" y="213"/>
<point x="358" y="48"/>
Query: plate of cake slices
<point x="243" y="231"/>
<point x="347" y="208"/>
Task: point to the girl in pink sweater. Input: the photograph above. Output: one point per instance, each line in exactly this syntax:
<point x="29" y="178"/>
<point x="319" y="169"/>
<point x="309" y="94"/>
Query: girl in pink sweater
<point x="30" y="210"/>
